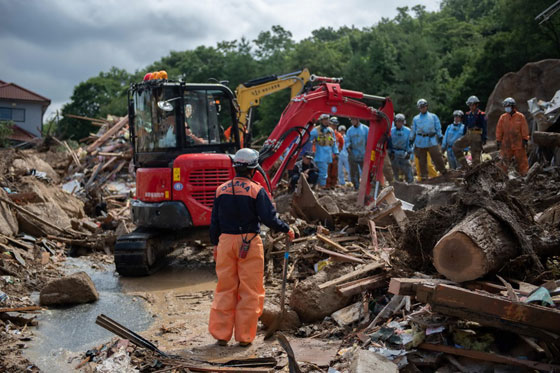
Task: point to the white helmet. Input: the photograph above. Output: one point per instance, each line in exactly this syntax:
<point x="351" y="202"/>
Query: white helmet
<point x="342" y="127"/>
<point x="248" y="158"/>
<point x="509" y="102"/>
<point x="333" y="120"/>
<point x="422" y="102"/>
<point x="458" y="113"/>
<point x="324" y="116"/>
<point x="472" y="100"/>
<point x="400" y="116"/>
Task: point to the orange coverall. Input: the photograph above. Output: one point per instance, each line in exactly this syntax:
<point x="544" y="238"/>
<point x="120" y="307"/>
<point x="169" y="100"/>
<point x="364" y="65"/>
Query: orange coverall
<point x="239" y="296"/>
<point x="332" y="178"/>
<point x="511" y="130"/>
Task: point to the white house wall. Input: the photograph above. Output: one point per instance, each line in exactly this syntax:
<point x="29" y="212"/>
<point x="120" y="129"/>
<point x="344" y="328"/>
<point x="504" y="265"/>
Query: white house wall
<point x="33" y="115"/>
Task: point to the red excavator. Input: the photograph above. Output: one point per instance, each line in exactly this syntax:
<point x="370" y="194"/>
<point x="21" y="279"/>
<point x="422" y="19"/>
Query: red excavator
<point x="181" y="155"/>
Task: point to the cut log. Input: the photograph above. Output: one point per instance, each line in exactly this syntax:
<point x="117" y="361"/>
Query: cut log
<point x="473" y="248"/>
<point x="547" y="139"/>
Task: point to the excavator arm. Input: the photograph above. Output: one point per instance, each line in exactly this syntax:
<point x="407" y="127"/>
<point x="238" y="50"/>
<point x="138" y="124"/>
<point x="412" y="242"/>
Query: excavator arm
<point x="296" y="123"/>
<point x="249" y="94"/>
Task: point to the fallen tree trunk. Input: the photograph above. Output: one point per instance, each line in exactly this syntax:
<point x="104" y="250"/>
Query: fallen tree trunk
<point x="547" y="139"/>
<point x="473" y="248"/>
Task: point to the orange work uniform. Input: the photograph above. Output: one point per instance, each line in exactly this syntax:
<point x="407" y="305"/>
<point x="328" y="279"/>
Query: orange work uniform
<point x="239" y="207"/>
<point x="332" y="174"/>
<point x="511" y="130"/>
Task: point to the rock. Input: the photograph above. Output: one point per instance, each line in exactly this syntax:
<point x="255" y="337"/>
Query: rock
<point x="48" y="211"/>
<point x="76" y="288"/>
<point x="348" y="315"/>
<point x="28" y="162"/>
<point x="329" y="204"/>
<point x="272" y="311"/>
<point x="536" y="79"/>
<point x="313" y="304"/>
<point x="8" y="220"/>
<point x="365" y="361"/>
<point x="71" y="205"/>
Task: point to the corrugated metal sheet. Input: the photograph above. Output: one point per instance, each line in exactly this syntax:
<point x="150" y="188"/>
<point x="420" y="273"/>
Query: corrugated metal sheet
<point x="12" y="91"/>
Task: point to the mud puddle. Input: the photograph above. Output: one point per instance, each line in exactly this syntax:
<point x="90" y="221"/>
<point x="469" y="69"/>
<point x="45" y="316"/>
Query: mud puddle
<point x="178" y="293"/>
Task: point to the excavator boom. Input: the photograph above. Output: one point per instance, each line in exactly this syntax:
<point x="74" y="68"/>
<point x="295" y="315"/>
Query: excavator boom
<point x="296" y="123"/>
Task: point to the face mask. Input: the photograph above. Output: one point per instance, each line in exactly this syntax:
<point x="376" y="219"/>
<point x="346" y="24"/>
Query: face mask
<point x="508" y="109"/>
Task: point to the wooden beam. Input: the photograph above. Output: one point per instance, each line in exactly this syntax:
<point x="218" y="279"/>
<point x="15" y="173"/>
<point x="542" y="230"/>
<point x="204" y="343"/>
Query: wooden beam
<point x="111" y="132"/>
<point x="352" y="275"/>
<point x="21" y="309"/>
<point x="409" y="286"/>
<point x="356" y="287"/>
<point x="491" y="357"/>
<point x="338" y="256"/>
<point x="332" y="243"/>
<point x="373" y="234"/>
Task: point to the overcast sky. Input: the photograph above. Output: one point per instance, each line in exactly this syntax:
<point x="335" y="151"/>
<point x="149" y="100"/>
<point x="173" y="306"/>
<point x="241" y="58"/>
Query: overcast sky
<point x="49" y="46"/>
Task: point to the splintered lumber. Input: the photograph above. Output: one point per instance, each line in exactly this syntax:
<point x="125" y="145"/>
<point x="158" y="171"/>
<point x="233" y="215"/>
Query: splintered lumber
<point x="107" y="135"/>
<point x="21" y="309"/>
<point x="340" y="257"/>
<point x="493" y="310"/>
<point x="356" y="287"/>
<point x="475" y="247"/>
<point x="547" y="139"/>
<point x="409" y="286"/>
<point x="332" y="243"/>
<point x="491" y="357"/>
<point x="352" y="275"/>
<point x="373" y="233"/>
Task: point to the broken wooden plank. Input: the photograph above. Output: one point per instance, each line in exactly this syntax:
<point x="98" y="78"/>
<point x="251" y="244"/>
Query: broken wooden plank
<point x="332" y="243"/>
<point x="110" y="132"/>
<point x="25" y="197"/>
<point x="492" y="310"/>
<point x="356" y="287"/>
<point x="491" y="357"/>
<point x="346" y="238"/>
<point x="349" y="314"/>
<point x="409" y="286"/>
<point x="21" y="309"/>
<point x="373" y="233"/>
<point x="388" y="210"/>
<point x="340" y="257"/>
<point x="352" y="275"/>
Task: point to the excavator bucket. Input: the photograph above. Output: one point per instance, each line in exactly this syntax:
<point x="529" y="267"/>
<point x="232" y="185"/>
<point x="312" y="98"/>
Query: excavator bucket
<point x="307" y="207"/>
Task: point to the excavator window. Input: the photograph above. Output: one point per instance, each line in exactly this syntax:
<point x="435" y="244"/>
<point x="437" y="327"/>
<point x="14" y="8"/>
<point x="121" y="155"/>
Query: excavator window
<point x="155" y="128"/>
<point x="207" y="114"/>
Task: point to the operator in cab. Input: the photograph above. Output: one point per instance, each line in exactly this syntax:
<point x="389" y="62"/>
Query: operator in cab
<point x="240" y="206"/>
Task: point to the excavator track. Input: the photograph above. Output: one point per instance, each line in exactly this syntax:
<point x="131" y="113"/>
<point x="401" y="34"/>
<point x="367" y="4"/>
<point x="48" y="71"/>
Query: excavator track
<point x="139" y="253"/>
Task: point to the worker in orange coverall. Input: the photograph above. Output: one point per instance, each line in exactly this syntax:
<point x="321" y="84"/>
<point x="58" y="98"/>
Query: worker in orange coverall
<point x="239" y="207"/>
<point x="512" y="137"/>
<point x="332" y="178"/>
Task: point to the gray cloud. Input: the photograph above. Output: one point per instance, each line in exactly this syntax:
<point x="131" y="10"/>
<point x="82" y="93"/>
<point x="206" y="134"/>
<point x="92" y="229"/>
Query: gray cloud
<point x="49" y="46"/>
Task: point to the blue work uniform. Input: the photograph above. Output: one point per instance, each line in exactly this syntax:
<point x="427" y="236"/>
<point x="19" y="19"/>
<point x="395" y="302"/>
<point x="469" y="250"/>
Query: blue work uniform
<point x="476" y="121"/>
<point x="426" y="130"/>
<point x="325" y="147"/>
<point x="453" y="132"/>
<point x="343" y="163"/>
<point x="356" y="141"/>
<point x="400" y="151"/>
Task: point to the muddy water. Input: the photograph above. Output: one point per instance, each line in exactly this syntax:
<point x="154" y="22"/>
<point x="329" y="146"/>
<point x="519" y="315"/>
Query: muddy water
<point x="141" y="304"/>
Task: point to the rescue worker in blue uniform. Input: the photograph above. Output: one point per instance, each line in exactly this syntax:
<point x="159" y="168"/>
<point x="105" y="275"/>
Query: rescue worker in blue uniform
<point x="324" y="139"/>
<point x="356" y="140"/>
<point x="426" y="132"/>
<point x="453" y="132"/>
<point x="399" y="150"/>
<point x="474" y="134"/>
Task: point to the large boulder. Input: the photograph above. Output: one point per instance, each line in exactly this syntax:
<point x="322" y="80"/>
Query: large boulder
<point x="71" y="205"/>
<point x="536" y="79"/>
<point x="76" y="288"/>
<point x="271" y="312"/>
<point x="365" y="361"/>
<point x="48" y="211"/>
<point x="8" y="221"/>
<point x="313" y="304"/>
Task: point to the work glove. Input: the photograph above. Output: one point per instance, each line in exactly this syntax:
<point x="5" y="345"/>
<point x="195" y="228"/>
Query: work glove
<point x="291" y="234"/>
<point x="498" y="144"/>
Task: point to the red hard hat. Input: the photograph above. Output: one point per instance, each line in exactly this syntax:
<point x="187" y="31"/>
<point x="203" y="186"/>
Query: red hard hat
<point x="148" y="76"/>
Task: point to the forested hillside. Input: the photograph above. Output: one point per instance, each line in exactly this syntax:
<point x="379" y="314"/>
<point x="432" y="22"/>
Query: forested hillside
<point x="443" y="56"/>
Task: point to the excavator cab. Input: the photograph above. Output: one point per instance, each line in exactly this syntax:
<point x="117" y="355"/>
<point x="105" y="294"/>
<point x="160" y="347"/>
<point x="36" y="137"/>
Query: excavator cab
<point x="181" y="156"/>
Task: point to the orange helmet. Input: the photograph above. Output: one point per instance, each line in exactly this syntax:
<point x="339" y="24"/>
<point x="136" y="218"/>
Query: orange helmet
<point x="156" y="75"/>
<point x="163" y="74"/>
<point x="148" y="76"/>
